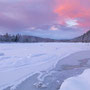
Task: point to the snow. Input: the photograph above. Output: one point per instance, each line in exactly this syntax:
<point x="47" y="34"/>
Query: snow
<point x="18" y="61"/>
<point x="81" y="82"/>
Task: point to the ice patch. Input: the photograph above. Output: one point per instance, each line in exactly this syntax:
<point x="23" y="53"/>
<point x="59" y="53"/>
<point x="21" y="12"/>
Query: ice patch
<point x="40" y="85"/>
<point x="1" y="54"/>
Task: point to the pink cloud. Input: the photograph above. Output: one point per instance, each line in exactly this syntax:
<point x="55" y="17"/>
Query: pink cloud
<point x="21" y="14"/>
<point x="74" y="9"/>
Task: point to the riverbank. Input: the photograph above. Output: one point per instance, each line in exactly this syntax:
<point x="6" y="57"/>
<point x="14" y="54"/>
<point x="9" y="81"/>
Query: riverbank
<point x="69" y="66"/>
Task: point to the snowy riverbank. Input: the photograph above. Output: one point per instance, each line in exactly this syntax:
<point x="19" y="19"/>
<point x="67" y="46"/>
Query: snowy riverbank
<point x="20" y="62"/>
<point x="81" y="82"/>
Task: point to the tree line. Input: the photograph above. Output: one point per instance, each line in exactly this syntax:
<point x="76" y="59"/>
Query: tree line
<point x="24" y="38"/>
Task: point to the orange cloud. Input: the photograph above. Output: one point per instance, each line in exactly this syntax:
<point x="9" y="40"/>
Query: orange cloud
<point x="74" y="9"/>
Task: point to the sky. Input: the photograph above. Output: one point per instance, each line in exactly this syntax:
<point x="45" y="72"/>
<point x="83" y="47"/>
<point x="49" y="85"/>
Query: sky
<point x="43" y="17"/>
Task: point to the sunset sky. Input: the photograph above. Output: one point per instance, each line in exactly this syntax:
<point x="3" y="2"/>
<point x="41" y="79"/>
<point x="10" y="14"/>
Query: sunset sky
<point x="45" y="18"/>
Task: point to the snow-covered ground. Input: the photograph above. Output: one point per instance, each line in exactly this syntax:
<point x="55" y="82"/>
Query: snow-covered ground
<point x="81" y="82"/>
<point x="18" y="61"/>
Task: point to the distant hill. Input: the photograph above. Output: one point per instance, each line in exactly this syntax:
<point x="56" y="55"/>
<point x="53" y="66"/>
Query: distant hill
<point x="83" y="38"/>
<point x="26" y="38"/>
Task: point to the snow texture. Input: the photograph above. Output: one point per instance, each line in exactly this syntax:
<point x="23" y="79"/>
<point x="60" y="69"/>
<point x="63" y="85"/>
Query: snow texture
<point x="81" y="82"/>
<point x="18" y="61"/>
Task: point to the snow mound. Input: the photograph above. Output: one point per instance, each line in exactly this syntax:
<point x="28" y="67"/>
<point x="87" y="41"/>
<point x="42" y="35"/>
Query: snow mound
<point x="81" y="82"/>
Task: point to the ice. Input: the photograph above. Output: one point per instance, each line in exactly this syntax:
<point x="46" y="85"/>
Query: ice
<point x="40" y="85"/>
<point x="1" y="54"/>
<point x="18" y="61"/>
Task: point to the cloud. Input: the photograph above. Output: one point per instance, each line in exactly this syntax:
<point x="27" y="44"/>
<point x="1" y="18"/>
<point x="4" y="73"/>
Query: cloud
<point x="71" y="22"/>
<point x="74" y="9"/>
<point x="53" y="28"/>
<point x="25" y="13"/>
<point x="17" y="15"/>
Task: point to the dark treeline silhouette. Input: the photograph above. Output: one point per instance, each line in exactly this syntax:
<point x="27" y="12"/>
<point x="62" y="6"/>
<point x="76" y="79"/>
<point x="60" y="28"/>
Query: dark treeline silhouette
<point x="26" y="38"/>
<point x="83" y="38"/>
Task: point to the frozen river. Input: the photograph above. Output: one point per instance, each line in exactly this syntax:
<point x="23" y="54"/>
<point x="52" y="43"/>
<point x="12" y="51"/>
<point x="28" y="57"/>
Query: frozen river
<point x="41" y="66"/>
